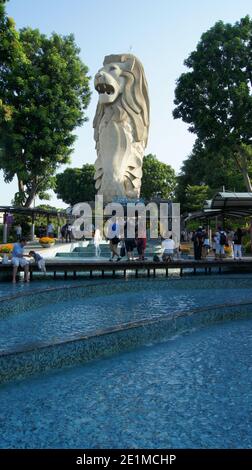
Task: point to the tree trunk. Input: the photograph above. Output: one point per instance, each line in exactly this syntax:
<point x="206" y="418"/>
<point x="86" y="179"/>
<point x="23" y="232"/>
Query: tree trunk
<point x="20" y="185"/>
<point x="244" y="169"/>
<point x="242" y="163"/>
<point x="247" y="180"/>
<point x="30" y="198"/>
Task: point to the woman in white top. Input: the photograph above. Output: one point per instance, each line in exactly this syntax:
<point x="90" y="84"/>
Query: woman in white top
<point x="168" y="246"/>
<point x="97" y="241"/>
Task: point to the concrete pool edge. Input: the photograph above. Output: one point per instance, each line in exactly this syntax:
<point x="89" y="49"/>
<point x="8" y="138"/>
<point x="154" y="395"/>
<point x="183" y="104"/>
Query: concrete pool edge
<point x="41" y="358"/>
<point x="20" y="302"/>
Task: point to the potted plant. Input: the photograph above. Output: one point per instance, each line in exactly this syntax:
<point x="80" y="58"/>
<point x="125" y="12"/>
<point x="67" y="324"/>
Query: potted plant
<point x="6" y="249"/>
<point x="46" y="242"/>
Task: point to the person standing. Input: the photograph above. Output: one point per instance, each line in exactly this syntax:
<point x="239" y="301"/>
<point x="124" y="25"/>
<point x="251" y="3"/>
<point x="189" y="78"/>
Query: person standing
<point x="238" y="244"/>
<point x="114" y="236"/>
<point x="97" y="241"/>
<point x="130" y="237"/>
<point x="50" y="230"/>
<point x="220" y="241"/>
<point x="198" y="243"/>
<point x="18" y="232"/>
<point x="68" y="233"/>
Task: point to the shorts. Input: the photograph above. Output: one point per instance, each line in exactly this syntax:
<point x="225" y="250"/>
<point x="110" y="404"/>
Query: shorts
<point x="168" y="252"/>
<point x="219" y="249"/>
<point x="41" y="265"/>
<point x="130" y="244"/>
<point x="114" y="241"/>
<point x="22" y="262"/>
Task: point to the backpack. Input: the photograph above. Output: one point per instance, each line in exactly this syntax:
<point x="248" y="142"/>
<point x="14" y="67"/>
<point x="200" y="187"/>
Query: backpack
<point x="223" y="238"/>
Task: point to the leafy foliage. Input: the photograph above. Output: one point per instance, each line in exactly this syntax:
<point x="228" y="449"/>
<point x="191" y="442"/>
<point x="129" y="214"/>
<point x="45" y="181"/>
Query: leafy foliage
<point x="196" y="196"/>
<point x="47" y="94"/>
<point x="158" y="179"/>
<point x="76" y="184"/>
<point x="215" y="97"/>
<point x="207" y="168"/>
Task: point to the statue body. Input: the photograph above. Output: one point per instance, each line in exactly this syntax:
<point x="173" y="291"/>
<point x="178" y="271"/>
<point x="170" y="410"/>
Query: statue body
<point x="121" y="126"/>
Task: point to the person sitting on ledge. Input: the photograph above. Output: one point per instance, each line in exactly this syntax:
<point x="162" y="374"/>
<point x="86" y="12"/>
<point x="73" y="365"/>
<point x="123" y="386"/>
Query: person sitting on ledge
<point x="19" y="260"/>
<point x="169" y="246"/>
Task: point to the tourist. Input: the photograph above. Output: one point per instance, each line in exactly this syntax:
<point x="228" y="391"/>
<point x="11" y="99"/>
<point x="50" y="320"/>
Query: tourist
<point x="220" y="242"/>
<point x="39" y="260"/>
<point x="197" y="239"/>
<point x="68" y="233"/>
<point x="97" y="241"/>
<point x="206" y="245"/>
<point x="18" y="230"/>
<point x="113" y="236"/>
<point x="63" y="232"/>
<point x="50" y="230"/>
<point x="18" y="260"/>
<point x="168" y="246"/>
<point x="237" y="239"/>
<point x="230" y="238"/>
<point x="141" y="243"/>
<point x="41" y="231"/>
<point x="130" y="237"/>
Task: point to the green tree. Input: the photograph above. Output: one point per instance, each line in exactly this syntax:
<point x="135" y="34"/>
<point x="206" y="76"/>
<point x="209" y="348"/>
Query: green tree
<point x="213" y="169"/>
<point x="48" y="94"/>
<point x="10" y="52"/>
<point x="76" y="184"/>
<point x="215" y="98"/>
<point x="158" y="178"/>
<point x="196" y="196"/>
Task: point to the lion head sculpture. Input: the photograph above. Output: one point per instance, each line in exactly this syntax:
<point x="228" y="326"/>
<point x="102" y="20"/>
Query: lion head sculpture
<point x="121" y="126"/>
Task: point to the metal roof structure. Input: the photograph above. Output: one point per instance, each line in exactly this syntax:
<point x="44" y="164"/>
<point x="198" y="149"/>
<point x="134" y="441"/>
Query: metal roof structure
<point x="32" y="211"/>
<point x="227" y="204"/>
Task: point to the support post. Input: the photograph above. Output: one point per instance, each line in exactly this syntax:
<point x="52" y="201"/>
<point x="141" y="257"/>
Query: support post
<point x="33" y="228"/>
<point x="5" y="233"/>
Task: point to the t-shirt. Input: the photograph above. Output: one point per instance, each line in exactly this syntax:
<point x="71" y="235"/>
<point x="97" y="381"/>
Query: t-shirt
<point x="168" y="244"/>
<point x="113" y="230"/>
<point x="37" y="257"/>
<point x="237" y="238"/>
<point x="18" y="250"/>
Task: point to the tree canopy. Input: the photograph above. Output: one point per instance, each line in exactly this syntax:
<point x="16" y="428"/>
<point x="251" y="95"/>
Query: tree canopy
<point x="215" y="96"/>
<point x="10" y="52"/>
<point x="207" y="168"/>
<point x="158" y="178"/>
<point x="76" y="184"/>
<point x="47" y="94"/>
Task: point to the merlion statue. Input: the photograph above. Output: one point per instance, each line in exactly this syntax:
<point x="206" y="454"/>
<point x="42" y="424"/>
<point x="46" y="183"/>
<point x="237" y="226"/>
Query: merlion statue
<point x="121" y="126"/>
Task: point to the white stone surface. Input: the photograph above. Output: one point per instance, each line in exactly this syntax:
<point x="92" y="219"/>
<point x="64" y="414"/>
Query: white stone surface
<point x="121" y="126"/>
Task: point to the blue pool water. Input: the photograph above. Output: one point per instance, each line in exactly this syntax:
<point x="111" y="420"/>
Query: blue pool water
<point x="194" y="390"/>
<point x="68" y="319"/>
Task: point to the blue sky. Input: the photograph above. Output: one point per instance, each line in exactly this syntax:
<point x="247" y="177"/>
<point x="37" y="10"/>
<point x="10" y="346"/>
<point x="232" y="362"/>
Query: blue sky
<point x="161" y="33"/>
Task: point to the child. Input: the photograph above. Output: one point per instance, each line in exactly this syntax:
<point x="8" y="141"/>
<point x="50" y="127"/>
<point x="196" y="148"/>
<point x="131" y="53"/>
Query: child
<point x="38" y="259"/>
